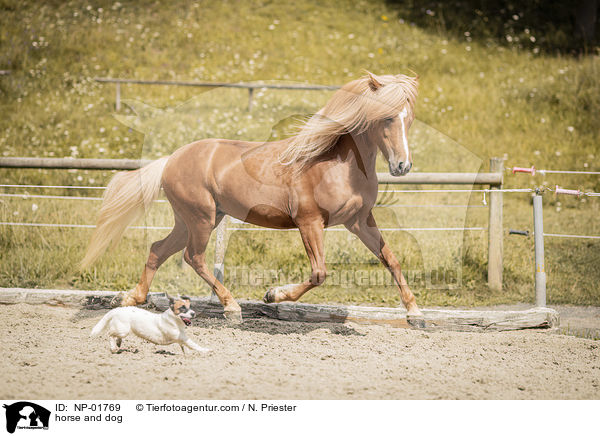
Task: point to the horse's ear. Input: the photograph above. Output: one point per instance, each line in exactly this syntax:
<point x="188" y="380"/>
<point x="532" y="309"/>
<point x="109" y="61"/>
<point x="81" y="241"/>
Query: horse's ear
<point x="374" y="82"/>
<point x="416" y="76"/>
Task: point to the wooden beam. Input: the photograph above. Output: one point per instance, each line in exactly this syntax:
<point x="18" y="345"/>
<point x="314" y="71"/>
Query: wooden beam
<point x="436" y="319"/>
<point x="220" y="84"/>
<point x="58" y="297"/>
<point x="493" y="179"/>
<point x="68" y="163"/>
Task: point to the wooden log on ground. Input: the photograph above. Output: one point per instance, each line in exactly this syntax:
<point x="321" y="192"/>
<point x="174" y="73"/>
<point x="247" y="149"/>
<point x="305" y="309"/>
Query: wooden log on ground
<point x="437" y="319"/>
<point x="58" y="297"/>
<point x="492" y="320"/>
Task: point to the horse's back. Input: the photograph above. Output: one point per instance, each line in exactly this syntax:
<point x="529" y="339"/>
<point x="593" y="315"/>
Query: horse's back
<point x="234" y="176"/>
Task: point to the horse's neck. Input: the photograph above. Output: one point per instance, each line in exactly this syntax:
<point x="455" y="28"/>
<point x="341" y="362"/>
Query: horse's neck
<point x="358" y="148"/>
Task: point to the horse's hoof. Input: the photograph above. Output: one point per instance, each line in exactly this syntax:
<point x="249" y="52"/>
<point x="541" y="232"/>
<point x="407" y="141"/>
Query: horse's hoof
<point x="128" y="300"/>
<point x="233" y="316"/>
<point x="117" y="300"/>
<point x="270" y="296"/>
<point x="418" y="323"/>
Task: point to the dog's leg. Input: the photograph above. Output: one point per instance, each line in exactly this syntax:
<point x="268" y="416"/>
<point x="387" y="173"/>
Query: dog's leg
<point x="115" y="343"/>
<point x="194" y="346"/>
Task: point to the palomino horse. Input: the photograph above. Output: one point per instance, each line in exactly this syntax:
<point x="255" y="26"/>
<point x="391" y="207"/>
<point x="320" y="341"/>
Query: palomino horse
<point x="323" y="176"/>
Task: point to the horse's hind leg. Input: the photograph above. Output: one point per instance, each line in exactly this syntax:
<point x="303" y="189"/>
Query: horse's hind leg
<point x="159" y="252"/>
<point x="195" y="255"/>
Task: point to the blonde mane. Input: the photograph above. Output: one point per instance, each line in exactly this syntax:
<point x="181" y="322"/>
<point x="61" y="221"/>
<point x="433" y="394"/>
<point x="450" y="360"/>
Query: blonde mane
<point x="352" y="109"/>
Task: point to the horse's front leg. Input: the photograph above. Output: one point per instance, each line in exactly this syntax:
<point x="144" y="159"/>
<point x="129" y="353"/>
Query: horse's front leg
<point x="312" y="237"/>
<point x="368" y="232"/>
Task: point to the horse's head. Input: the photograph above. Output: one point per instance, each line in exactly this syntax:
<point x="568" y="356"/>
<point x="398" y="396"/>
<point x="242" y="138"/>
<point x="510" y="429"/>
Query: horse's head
<point x="378" y="109"/>
<point x="393" y="142"/>
<point x="393" y="99"/>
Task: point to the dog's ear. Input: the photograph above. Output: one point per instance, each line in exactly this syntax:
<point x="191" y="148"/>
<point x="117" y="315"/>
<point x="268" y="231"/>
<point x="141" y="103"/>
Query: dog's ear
<point x="185" y="297"/>
<point x="171" y="302"/>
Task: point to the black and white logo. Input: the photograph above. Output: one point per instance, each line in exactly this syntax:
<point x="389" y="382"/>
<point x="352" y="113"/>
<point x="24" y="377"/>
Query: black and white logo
<point x="26" y="415"/>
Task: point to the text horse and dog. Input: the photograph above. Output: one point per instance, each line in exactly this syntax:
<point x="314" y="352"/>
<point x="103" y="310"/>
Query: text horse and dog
<point x="324" y="176"/>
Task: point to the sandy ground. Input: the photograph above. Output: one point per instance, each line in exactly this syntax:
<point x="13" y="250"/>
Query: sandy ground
<point x="46" y="353"/>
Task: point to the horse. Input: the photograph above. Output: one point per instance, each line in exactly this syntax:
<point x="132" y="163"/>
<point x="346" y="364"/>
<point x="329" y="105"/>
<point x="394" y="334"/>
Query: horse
<point x="323" y="176"/>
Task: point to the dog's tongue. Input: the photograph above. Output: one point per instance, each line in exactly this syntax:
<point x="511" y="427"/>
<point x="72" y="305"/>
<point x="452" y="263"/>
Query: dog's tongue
<point x="186" y="321"/>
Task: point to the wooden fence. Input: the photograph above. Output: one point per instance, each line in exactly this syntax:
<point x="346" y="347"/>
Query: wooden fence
<point x="249" y="86"/>
<point x="493" y="179"/>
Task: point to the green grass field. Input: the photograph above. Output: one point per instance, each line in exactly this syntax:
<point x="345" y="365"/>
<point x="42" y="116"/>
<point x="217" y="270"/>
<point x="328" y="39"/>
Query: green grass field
<point x="478" y="99"/>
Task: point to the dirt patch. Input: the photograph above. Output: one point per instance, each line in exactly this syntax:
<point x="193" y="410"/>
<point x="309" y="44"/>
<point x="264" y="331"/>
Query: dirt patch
<point x="47" y="354"/>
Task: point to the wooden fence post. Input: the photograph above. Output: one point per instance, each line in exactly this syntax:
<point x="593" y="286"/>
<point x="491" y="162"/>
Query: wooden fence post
<point x="220" y="248"/>
<point x="495" y="230"/>
<point x="250" y="97"/>
<point x="118" y="97"/>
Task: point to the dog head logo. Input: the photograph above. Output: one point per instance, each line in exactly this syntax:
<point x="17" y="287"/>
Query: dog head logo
<point x="26" y="415"/>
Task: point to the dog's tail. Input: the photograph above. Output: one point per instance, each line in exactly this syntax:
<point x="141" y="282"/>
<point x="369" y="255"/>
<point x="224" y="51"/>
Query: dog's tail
<point x="102" y="325"/>
<point x="127" y="197"/>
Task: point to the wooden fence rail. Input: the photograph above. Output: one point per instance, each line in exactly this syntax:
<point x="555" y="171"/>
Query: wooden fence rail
<point x="249" y="86"/>
<point x="493" y="179"/>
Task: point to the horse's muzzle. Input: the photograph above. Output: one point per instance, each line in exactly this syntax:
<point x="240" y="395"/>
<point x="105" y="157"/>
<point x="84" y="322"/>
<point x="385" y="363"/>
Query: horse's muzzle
<point x="400" y="169"/>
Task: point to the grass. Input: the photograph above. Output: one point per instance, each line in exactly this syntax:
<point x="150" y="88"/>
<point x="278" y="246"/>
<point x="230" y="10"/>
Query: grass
<point x="478" y="99"/>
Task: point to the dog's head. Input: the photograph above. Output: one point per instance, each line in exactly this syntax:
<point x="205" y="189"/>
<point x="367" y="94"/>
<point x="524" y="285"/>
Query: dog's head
<point x="181" y="308"/>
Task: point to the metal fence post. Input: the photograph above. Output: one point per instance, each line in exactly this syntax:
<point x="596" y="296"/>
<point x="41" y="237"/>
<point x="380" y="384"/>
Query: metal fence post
<point x="495" y="230"/>
<point x="540" y="271"/>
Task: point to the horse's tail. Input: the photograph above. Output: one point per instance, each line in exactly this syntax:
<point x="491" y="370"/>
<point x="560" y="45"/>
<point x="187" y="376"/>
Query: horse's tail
<point x="102" y="324"/>
<point x="127" y="197"/>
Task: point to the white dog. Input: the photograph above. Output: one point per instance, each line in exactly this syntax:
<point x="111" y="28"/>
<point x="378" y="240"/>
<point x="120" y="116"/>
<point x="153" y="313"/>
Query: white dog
<point x="162" y="329"/>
